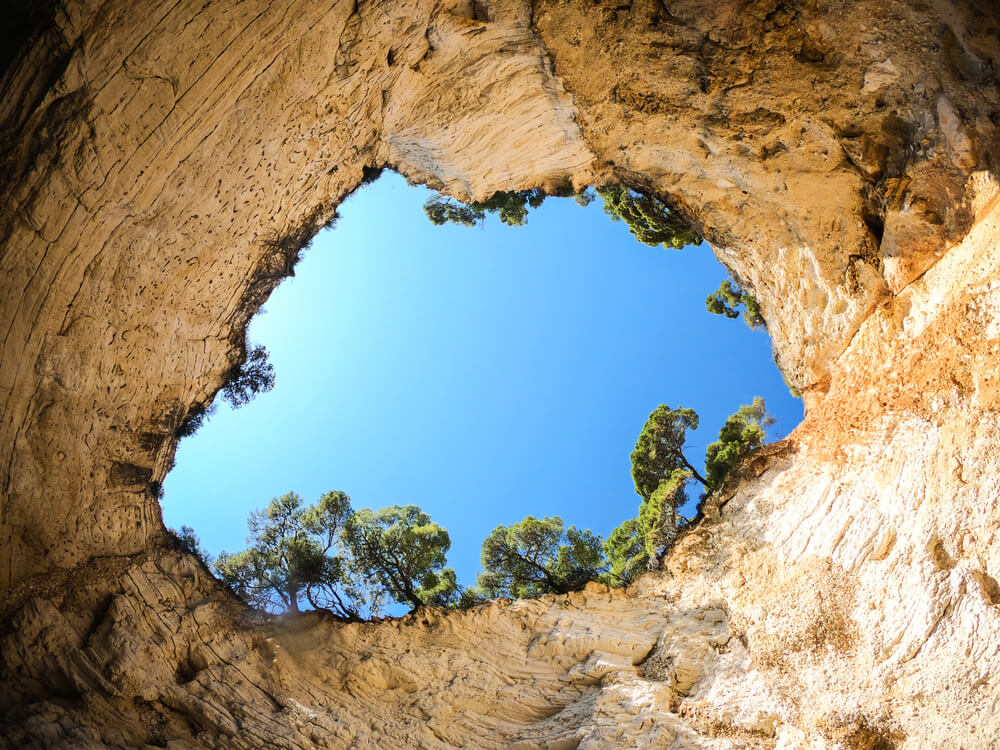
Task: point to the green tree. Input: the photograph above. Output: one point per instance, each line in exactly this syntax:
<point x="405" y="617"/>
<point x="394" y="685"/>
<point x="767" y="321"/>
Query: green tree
<point x="638" y="542"/>
<point x="291" y="557"/>
<point x="727" y="299"/>
<point x="511" y="207"/>
<point x="253" y="376"/>
<point x="243" y="383"/>
<point x="404" y="551"/>
<point x="538" y="556"/>
<point x="441" y="210"/>
<point x="659" y="516"/>
<point x="625" y="550"/>
<point x="648" y="219"/>
<point x="741" y="435"/>
<point x="659" y="450"/>
<point x="661" y="474"/>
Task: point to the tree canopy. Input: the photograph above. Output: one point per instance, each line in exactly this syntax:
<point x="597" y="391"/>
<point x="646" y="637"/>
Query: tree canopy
<point x="659" y="450"/>
<point x="187" y="540"/>
<point x="292" y="557"/>
<point x="648" y="218"/>
<point x="511" y="207"/>
<point x="333" y="558"/>
<point x="255" y="375"/>
<point x="661" y="473"/>
<point x="343" y="561"/>
<point x="404" y="551"/>
<point x="727" y="299"/>
<point x="639" y="541"/>
<point x="741" y="435"/>
<point x="625" y="550"/>
<point x="539" y="556"/>
<point x="244" y="382"/>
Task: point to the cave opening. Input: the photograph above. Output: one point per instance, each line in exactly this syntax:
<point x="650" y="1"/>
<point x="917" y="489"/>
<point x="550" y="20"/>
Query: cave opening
<point x="483" y="373"/>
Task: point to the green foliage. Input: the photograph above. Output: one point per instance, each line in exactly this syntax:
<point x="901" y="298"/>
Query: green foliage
<point x="469" y="597"/>
<point x="291" y="557"/>
<point x="404" y="551"/>
<point x="538" y="556"/>
<point x="342" y="561"/>
<point x="741" y="435"/>
<point x="441" y="210"/>
<point x="648" y="219"/>
<point x="659" y="451"/>
<point x="661" y="473"/>
<point x="243" y="382"/>
<point x="511" y="207"/>
<point x="727" y="299"/>
<point x="625" y="549"/>
<point x="659" y="516"/>
<point x="639" y="542"/>
<point x="197" y="416"/>
<point x="187" y="541"/>
<point x="255" y="375"/>
<point x="370" y="173"/>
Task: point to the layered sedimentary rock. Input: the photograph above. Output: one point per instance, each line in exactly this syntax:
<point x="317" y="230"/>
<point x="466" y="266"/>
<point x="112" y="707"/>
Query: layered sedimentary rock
<point x="166" y="162"/>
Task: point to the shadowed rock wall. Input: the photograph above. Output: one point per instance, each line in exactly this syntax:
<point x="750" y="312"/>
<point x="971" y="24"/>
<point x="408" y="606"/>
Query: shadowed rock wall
<point x="165" y="162"/>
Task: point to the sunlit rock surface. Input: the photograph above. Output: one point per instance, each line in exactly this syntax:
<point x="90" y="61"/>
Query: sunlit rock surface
<point x="164" y="162"/>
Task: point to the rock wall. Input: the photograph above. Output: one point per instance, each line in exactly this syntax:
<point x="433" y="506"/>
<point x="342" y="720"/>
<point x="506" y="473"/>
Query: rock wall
<point x="166" y="162"/>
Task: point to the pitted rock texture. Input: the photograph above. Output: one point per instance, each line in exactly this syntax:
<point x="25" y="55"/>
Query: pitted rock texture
<point x="166" y="162"/>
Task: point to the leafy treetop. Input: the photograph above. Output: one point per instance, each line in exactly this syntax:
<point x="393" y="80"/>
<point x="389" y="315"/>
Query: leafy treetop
<point x="659" y="451"/>
<point x="404" y="551"/>
<point x="290" y="556"/>
<point x="625" y="551"/>
<point x="339" y="560"/>
<point x="538" y="556"/>
<point x="511" y="207"/>
<point x="245" y="381"/>
<point x="648" y="218"/>
<point x="741" y="435"/>
<point x="661" y="473"/>
<point x="727" y="299"/>
<point x="187" y="541"/>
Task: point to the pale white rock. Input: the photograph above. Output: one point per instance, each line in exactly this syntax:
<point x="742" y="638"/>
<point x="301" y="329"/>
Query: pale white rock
<point x="880" y="75"/>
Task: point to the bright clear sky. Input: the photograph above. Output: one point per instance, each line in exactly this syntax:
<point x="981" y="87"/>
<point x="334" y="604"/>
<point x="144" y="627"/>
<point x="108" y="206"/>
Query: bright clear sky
<point x="484" y="374"/>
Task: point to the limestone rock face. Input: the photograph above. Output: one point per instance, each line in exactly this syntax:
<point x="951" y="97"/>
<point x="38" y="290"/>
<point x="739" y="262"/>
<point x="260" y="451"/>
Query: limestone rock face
<point x="165" y="163"/>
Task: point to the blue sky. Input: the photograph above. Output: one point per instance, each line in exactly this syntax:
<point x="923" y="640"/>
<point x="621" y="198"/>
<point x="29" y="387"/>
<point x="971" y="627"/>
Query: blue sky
<point x="482" y="373"/>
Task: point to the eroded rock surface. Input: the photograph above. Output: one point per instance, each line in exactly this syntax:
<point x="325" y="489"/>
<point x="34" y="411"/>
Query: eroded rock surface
<point x="165" y="162"/>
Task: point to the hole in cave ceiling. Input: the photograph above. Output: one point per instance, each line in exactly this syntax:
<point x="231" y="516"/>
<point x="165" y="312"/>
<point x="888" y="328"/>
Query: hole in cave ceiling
<point x="483" y="373"/>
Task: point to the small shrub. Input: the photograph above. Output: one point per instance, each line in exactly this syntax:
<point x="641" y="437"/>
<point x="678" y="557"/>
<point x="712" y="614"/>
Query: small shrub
<point x="727" y="299"/>
<point x="370" y="173"/>
<point x="255" y="375"/>
<point x="197" y="416"/>
<point x="511" y="207"/>
<point x="185" y="540"/>
<point x="649" y="219"/>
